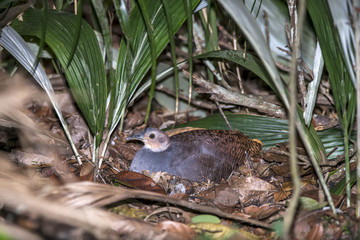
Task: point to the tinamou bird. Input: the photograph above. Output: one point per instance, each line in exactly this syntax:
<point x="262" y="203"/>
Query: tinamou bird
<point x="196" y="155"/>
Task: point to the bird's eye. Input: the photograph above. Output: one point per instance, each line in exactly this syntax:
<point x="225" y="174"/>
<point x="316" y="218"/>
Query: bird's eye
<point x="152" y="135"/>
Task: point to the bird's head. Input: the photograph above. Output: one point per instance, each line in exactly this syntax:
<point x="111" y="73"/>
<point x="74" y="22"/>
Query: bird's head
<point x="153" y="139"/>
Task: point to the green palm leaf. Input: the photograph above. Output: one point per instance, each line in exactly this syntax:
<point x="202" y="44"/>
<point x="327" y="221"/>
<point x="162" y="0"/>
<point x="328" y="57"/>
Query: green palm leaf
<point x="138" y="63"/>
<point x="85" y="72"/>
<point x="340" y="78"/>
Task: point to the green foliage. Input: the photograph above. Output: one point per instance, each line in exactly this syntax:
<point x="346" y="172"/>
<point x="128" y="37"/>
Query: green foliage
<point x="151" y="39"/>
<point x="140" y="59"/>
<point x="85" y="71"/>
<point x="173" y="54"/>
<point x="340" y="79"/>
<point x="342" y="88"/>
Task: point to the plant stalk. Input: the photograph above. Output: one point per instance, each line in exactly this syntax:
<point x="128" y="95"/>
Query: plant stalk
<point x="291" y="212"/>
<point x="357" y="56"/>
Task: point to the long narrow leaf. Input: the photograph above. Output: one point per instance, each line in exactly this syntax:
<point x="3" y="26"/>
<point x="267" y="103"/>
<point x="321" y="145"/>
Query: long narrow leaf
<point x="150" y="32"/>
<point x="105" y="29"/>
<point x="314" y="85"/>
<point x="341" y="12"/>
<point x="78" y="29"/>
<point x="173" y="54"/>
<point x="123" y="17"/>
<point x="190" y="45"/>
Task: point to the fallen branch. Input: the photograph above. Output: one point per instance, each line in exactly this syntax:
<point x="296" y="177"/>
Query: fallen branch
<point x="221" y="94"/>
<point x="195" y="102"/>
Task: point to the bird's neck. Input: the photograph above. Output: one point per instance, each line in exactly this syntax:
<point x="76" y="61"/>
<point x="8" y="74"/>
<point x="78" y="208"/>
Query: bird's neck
<point x="160" y="147"/>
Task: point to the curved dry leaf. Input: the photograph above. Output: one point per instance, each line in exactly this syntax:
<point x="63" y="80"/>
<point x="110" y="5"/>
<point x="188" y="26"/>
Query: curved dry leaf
<point x="86" y="171"/>
<point x="316" y="232"/>
<point x="272" y="157"/>
<point x="262" y="212"/>
<point x="181" y="196"/>
<point x="138" y="181"/>
<point x="281" y="195"/>
<point x="282" y="170"/>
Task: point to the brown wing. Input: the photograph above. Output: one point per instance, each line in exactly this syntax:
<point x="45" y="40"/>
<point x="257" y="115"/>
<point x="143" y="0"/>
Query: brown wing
<point x="223" y="145"/>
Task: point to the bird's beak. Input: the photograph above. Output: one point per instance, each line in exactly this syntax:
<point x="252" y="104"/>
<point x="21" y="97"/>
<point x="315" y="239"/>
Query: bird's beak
<point x="139" y="137"/>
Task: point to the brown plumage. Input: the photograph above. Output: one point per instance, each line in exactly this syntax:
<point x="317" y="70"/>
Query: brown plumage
<point x="196" y="155"/>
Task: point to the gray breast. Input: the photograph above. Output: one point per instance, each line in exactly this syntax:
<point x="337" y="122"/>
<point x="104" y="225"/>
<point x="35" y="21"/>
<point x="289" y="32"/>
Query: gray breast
<point x="195" y="164"/>
<point x="146" y="159"/>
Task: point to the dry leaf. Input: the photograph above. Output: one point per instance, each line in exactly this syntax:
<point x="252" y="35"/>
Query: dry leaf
<point x="316" y="232"/>
<point x="262" y="212"/>
<point x="252" y="190"/>
<point x="138" y="181"/>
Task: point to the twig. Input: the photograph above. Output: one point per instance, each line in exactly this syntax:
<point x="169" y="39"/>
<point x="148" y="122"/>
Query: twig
<point x="290" y="213"/>
<point x="223" y="115"/>
<point x="266" y="20"/>
<point x="326" y="92"/>
<point x="235" y="43"/>
<point x="216" y="74"/>
<point x="292" y="37"/>
<point x="301" y="81"/>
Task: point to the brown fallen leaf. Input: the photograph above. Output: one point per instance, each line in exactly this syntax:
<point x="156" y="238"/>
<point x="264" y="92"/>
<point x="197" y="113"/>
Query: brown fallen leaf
<point x="252" y="190"/>
<point x="272" y="157"/>
<point x="281" y="195"/>
<point x="262" y="212"/>
<point x="138" y="181"/>
<point x="86" y="171"/>
<point x="227" y="197"/>
<point x="316" y="232"/>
